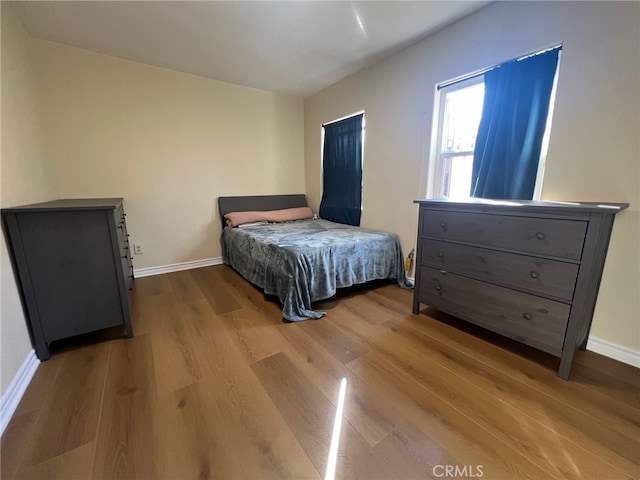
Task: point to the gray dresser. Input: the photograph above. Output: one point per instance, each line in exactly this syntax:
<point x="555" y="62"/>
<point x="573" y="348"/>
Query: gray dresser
<point x="525" y="269"/>
<point x="73" y="267"/>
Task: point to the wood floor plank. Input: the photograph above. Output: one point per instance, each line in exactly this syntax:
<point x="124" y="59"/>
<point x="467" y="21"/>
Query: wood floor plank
<point x="17" y="443"/>
<point x="310" y="415"/>
<point x="414" y="454"/>
<point x="456" y="434"/>
<point x="153" y="285"/>
<point x="555" y="453"/>
<point x="607" y="382"/>
<point x="384" y="296"/>
<point x="476" y="400"/>
<point x="215" y="291"/>
<point x="184" y="288"/>
<point x="341" y="345"/>
<point x="126" y="445"/>
<point x="249" y="295"/>
<point x="381" y="340"/>
<point x="143" y="315"/>
<point x="177" y="365"/>
<point x="76" y="400"/>
<point x="610" y="367"/>
<point x="259" y="435"/>
<point x="197" y="434"/>
<point x="371" y="416"/>
<point x="565" y="420"/>
<point x="400" y="296"/>
<point x="254" y="335"/>
<point x="41" y="386"/>
<point x="620" y="416"/>
<point x="370" y="308"/>
<point x="72" y="465"/>
<point x="604" y="383"/>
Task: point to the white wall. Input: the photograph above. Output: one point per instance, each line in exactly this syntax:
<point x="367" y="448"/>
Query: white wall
<point x="168" y="142"/>
<point x="26" y="176"/>
<point x="594" y="151"/>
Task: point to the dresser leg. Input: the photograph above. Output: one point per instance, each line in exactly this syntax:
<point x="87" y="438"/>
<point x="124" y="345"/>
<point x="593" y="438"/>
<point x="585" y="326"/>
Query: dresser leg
<point x="42" y="351"/>
<point x="583" y="345"/>
<point x="128" y="330"/>
<point x="565" y="364"/>
<point x="416" y="307"/>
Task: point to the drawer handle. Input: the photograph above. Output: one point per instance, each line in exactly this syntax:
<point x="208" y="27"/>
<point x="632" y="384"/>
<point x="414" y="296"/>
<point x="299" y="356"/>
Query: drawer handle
<point x="120" y="227"/>
<point x="533" y="274"/>
<point x="124" y="256"/>
<point x="440" y="254"/>
<point x="540" y="236"/>
<point x="527" y="316"/>
<point x="438" y="288"/>
<point x="443" y="226"/>
<point x="127" y="235"/>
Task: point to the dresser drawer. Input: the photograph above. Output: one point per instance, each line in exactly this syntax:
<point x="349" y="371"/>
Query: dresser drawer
<point x="535" y="321"/>
<point x="551" y="237"/>
<point x="539" y="275"/>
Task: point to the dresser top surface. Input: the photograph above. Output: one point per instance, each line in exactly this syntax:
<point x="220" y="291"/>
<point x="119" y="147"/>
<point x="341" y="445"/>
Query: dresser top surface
<point x="525" y="204"/>
<point x="68" y="204"/>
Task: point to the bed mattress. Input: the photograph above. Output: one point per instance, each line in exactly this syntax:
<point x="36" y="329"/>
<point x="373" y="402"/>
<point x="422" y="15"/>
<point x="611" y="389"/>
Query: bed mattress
<point x="306" y="261"/>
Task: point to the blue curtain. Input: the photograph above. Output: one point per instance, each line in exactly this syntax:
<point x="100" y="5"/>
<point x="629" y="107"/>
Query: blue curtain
<point x="514" y="117"/>
<point x="342" y="171"/>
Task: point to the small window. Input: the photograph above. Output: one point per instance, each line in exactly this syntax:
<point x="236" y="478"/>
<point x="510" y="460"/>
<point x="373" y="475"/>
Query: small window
<point x="460" y="112"/>
<point x="342" y="170"/>
<point x="506" y="110"/>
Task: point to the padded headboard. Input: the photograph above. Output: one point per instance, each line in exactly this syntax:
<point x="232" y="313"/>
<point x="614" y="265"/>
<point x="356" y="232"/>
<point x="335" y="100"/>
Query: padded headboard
<point x="259" y="203"/>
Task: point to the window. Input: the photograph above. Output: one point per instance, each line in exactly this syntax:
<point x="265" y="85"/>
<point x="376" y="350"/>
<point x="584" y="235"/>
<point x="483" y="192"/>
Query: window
<point x="506" y="110"/>
<point x="460" y="111"/>
<point x="342" y="170"/>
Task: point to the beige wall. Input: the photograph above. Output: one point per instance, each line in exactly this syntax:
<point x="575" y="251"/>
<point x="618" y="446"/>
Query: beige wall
<point x="168" y="142"/>
<point x="594" y="151"/>
<point x="26" y="176"/>
<point x="76" y="124"/>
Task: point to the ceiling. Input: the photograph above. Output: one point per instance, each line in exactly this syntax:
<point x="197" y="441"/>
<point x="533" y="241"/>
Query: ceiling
<point x="290" y="47"/>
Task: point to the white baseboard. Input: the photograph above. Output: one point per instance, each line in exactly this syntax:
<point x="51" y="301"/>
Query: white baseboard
<point x="615" y="351"/>
<point x="11" y="398"/>
<point x="176" y="267"/>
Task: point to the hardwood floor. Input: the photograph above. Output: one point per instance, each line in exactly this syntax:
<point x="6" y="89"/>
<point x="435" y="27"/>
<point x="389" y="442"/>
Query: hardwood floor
<point x="215" y="385"/>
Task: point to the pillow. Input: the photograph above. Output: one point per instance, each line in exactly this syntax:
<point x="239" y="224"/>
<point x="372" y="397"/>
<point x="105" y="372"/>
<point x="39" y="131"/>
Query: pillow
<point x="234" y="219"/>
<point x="252" y="224"/>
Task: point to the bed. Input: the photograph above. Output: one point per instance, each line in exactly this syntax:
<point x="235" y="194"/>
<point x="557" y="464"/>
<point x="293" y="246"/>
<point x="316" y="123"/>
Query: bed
<point x="305" y="261"/>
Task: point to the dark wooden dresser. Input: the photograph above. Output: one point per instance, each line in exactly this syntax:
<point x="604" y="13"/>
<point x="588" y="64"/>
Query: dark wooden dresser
<point x="73" y="267"/>
<point x="528" y="270"/>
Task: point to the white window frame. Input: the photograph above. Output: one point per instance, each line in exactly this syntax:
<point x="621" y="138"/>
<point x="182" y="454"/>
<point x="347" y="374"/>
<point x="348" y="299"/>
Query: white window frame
<point x="442" y="162"/>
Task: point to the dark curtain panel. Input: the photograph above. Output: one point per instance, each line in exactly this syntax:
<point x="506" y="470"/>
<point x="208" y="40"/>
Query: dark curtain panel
<point x="342" y="171"/>
<point x="514" y="117"/>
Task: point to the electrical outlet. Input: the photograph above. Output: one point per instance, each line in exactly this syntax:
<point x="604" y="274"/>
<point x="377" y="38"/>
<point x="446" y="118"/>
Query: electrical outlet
<point x="138" y="248"/>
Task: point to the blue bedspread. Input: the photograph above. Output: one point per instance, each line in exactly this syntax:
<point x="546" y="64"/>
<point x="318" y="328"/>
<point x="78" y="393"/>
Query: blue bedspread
<point x="306" y="261"/>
